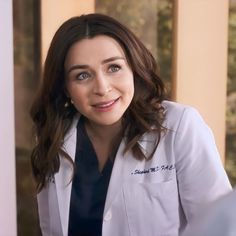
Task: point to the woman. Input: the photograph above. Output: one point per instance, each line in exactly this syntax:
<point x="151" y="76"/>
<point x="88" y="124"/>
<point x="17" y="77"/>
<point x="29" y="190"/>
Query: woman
<point x="112" y="156"/>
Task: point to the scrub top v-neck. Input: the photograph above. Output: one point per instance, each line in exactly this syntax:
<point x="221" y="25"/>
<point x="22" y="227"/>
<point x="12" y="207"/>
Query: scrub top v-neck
<point x="89" y="188"/>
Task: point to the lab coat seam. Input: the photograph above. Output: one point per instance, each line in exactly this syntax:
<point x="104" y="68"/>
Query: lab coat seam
<point x="177" y="132"/>
<point x="126" y="211"/>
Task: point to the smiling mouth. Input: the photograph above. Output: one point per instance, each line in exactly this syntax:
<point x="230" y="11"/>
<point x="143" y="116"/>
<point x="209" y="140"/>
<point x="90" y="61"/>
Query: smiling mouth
<point x="105" y="105"/>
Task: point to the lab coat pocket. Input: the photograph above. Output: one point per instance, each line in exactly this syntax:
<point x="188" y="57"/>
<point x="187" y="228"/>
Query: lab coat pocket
<point x="152" y="208"/>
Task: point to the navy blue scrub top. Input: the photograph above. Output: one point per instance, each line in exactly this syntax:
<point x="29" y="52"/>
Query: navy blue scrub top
<point x="89" y="188"/>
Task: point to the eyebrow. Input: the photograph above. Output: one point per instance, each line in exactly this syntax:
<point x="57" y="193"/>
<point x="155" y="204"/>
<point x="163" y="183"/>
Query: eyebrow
<point x="110" y="59"/>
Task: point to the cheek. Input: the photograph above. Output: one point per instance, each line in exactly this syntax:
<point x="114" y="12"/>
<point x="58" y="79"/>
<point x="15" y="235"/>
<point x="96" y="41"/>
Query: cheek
<point x="75" y="91"/>
<point x="77" y="95"/>
<point x="79" y="103"/>
<point x="129" y="85"/>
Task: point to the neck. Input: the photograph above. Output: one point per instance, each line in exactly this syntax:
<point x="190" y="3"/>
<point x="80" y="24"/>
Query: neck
<point x="104" y="133"/>
<point x="105" y="140"/>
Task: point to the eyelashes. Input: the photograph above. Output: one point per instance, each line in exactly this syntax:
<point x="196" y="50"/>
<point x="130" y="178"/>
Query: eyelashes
<point x="114" y="68"/>
<point x="85" y="75"/>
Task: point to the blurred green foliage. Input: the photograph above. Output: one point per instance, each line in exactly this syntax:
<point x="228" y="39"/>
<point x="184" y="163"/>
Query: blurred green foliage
<point x="164" y="40"/>
<point x="231" y="98"/>
<point x="25" y="82"/>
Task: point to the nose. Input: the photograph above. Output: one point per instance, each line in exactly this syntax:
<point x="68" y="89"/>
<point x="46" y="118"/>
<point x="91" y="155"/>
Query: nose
<point x="101" y="85"/>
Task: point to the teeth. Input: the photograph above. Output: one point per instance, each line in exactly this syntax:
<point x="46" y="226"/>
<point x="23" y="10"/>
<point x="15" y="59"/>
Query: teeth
<point x="105" y="105"/>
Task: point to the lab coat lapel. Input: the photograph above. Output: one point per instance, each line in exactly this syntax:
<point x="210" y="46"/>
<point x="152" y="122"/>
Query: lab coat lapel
<point x="63" y="179"/>
<point x="124" y="166"/>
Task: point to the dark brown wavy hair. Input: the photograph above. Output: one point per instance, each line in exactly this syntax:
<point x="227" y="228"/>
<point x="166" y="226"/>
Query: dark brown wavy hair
<point x="52" y="119"/>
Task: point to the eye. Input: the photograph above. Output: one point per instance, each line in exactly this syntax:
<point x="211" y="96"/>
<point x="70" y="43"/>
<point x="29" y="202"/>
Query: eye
<point x="83" y="76"/>
<point x="114" y="68"/>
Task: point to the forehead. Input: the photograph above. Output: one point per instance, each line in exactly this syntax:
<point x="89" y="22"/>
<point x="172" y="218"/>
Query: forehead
<point x="98" y="48"/>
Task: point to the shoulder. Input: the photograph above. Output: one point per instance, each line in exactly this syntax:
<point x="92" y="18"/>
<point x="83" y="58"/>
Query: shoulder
<point x="179" y="120"/>
<point x="179" y="114"/>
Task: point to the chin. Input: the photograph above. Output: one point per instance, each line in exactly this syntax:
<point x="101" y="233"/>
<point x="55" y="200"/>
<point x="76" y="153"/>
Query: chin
<point x="108" y="122"/>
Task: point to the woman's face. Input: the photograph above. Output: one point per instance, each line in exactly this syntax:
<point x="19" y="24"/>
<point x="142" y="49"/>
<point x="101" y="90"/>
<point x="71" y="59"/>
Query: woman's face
<point x="99" y="80"/>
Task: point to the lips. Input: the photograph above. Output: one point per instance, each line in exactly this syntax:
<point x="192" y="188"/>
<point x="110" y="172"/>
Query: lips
<point x="105" y="105"/>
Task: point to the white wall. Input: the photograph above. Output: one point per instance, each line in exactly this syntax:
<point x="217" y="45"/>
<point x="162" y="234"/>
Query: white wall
<point x="7" y="144"/>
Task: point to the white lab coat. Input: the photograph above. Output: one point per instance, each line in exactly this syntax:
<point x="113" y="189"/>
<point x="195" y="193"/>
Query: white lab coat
<point x="147" y="198"/>
<point x="218" y="219"/>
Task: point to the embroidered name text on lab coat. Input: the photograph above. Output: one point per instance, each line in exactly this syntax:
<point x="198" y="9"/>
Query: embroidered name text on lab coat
<point x="153" y="169"/>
